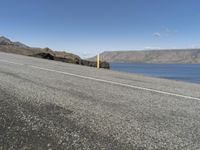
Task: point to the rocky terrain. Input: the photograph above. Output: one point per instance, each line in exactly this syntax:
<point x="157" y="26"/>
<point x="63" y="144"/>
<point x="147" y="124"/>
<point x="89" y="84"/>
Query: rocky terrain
<point x="6" y="45"/>
<point x="173" y="56"/>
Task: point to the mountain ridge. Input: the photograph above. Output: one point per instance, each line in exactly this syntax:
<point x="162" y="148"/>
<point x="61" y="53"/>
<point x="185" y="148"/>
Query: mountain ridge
<point x="164" y="56"/>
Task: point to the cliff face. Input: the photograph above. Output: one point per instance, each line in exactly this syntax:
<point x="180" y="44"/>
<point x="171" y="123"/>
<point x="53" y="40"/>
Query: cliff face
<point x="8" y="46"/>
<point x="177" y="56"/>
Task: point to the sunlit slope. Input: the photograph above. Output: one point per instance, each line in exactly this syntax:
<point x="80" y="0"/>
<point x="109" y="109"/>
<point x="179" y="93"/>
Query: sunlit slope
<point x="153" y="56"/>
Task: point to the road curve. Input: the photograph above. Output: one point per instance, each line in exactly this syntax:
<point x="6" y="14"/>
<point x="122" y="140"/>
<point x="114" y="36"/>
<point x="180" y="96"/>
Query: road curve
<point x="52" y="105"/>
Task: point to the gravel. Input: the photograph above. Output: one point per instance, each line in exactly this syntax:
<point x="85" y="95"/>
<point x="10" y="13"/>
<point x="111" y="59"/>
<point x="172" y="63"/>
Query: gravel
<point x="48" y="110"/>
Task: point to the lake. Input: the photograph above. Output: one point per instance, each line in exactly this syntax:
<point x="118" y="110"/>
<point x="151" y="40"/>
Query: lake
<point x="183" y="72"/>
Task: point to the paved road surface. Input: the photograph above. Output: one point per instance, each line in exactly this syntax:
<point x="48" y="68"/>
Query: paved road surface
<point x="53" y="105"/>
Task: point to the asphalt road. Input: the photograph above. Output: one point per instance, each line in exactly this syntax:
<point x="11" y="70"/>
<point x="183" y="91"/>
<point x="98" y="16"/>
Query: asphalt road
<point x="52" y="105"/>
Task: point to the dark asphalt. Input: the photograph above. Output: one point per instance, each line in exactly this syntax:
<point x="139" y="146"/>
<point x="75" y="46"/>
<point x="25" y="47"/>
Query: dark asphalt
<point x="41" y="109"/>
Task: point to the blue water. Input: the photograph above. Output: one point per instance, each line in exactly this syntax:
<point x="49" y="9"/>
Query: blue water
<point x="183" y="72"/>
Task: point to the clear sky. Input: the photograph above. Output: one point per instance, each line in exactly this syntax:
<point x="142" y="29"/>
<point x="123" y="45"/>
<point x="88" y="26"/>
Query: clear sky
<point x="86" y="27"/>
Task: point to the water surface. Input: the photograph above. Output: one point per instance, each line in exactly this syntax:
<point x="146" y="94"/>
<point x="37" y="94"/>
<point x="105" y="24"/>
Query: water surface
<point x="183" y="72"/>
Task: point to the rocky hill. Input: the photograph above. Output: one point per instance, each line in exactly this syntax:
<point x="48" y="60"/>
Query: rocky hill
<point x="6" y="45"/>
<point x="173" y="56"/>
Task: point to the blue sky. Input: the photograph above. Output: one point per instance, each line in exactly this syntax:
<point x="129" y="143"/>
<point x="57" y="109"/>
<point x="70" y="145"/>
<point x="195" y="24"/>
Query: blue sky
<point x="86" y="27"/>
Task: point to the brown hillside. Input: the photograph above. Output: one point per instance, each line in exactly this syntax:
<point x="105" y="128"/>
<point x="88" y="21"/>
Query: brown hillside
<point x="175" y="56"/>
<point x="8" y="46"/>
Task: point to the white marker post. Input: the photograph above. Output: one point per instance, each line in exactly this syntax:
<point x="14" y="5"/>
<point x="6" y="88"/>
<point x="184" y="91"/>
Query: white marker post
<point x="98" y="61"/>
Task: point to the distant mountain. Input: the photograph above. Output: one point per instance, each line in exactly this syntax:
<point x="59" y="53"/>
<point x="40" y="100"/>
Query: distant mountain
<point x="8" y="46"/>
<point x="168" y="56"/>
<point x="6" y="41"/>
<point x="19" y="44"/>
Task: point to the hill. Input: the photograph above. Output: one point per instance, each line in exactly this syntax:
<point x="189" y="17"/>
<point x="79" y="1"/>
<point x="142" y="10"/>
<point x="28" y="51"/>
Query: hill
<point x="173" y="56"/>
<point x="6" y="45"/>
